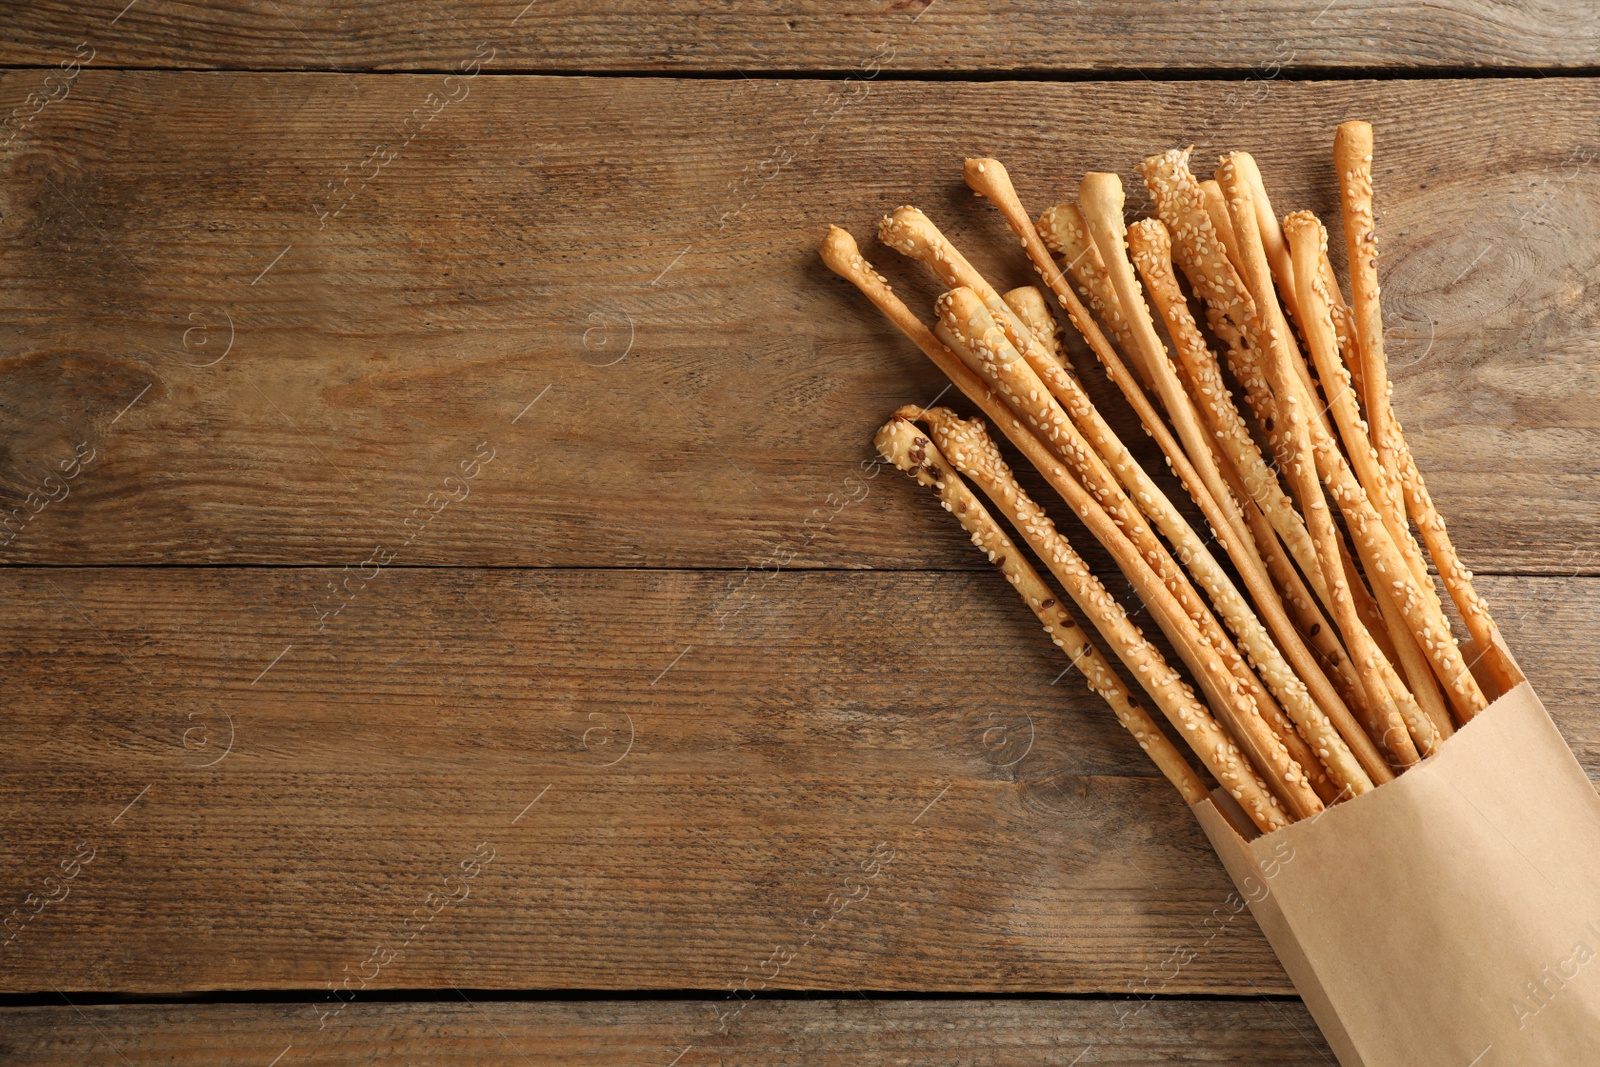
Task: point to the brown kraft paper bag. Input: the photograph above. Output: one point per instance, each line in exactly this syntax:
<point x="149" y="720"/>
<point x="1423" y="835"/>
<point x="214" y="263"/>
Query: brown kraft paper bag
<point x="1450" y="917"/>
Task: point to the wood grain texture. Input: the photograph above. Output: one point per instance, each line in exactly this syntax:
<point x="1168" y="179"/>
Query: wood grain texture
<point x="666" y="802"/>
<point x="750" y="36"/>
<point x="853" y="1031"/>
<point x="712" y="390"/>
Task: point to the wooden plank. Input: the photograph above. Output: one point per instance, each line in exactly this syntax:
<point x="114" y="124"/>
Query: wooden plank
<point x="641" y="799"/>
<point x="913" y="35"/>
<point x="1118" y="1033"/>
<point x="698" y="398"/>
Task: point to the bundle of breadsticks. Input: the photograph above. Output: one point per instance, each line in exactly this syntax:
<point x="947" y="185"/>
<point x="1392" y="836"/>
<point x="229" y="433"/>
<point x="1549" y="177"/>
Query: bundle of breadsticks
<point x="1319" y="660"/>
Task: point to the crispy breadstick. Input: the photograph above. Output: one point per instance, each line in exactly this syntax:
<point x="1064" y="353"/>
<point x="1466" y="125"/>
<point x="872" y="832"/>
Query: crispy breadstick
<point x="988" y="178"/>
<point x="839" y="251"/>
<point x="1308" y="244"/>
<point x="1034" y="387"/>
<point x="1313" y="452"/>
<point x="1380" y="556"/>
<point x="970" y="449"/>
<point x="1063" y="231"/>
<point x="1151" y="246"/>
<point x="1180" y="201"/>
<point x="1217" y="208"/>
<point x="1344" y="325"/>
<point x="1277" y="253"/>
<point x="1352" y="150"/>
<point x="903" y="445"/>
<point x="1272" y="239"/>
<point x="966" y="327"/>
<point x="1101" y="201"/>
<point x="1029" y="305"/>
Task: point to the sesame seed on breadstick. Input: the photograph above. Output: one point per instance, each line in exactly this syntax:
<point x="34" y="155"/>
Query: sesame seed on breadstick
<point x="967" y="445"/>
<point x="1308" y="242"/>
<point x="1036" y="387"/>
<point x="840" y="252"/>
<point x="1101" y="202"/>
<point x="1151" y="247"/>
<point x="966" y="327"/>
<point x="1352" y="150"/>
<point x="901" y="443"/>
<point x="1312" y="453"/>
<point x="1199" y="249"/>
<point x="988" y="178"/>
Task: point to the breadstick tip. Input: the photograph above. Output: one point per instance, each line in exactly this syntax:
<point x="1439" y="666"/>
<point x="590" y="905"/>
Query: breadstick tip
<point x="1228" y="169"/>
<point x="1301" y="222"/>
<point x="988" y="178"/>
<point x="909" y="232"/>
<point x="839" y="250"/>
<point x="1355" y="135"/>
<point x="963" y="312"/>
<point x="1100" y="194"/>
<point x="1150" y="235"/>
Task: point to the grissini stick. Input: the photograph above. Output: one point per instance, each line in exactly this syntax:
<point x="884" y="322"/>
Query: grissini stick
<point x="1352" y="151"/>
<point x="970" y="449"/>
<point x="1217" y="208"/>
<point x="1247" y="472"/>
<point x="1381" y="558"/>
<point x="1308" y="243"/>
<point x="1344" y="325"/>
<point x="1064" y="233"/>
<point x="1036" y="388"/>
<point x="1273" y="242"/>
<point x="966" y="327"/>
<point x="1101" y="202"/>
<point x="902" y="444"/>
<point x="1180" y="202"/>
<point x="1378" y="611"/>
<point x="1029" y="305"/>
<point x="1151" y="246"/>
<point x="1206" y="257"/>
<point x="840" y="253"/>
<point x="988" y="178"/>
<point x="1311" y="453"/>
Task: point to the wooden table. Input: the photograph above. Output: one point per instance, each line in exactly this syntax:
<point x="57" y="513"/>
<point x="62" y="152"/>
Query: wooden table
<point x="465" y="623"/>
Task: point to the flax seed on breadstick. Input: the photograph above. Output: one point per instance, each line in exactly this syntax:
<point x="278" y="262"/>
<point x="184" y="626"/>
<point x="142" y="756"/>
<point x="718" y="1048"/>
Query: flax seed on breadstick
<point x="966" y="327"/>
<point x="970" y="449"/>
<point x="1151" y="248"/>
<point x="902" y="444"/>
<point x="1312" y="453"/>
<point x="1352" y="151"/>
<point x="1308" y="245"/>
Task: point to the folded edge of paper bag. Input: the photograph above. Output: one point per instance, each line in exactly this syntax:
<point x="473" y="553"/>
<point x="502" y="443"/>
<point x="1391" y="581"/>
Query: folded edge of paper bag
<point x="1451" y="917"/>
<point x="1235" y="854"/>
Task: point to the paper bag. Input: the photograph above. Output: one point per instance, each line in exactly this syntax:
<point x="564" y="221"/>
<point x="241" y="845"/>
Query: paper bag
<point x="1450" y="917"/>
